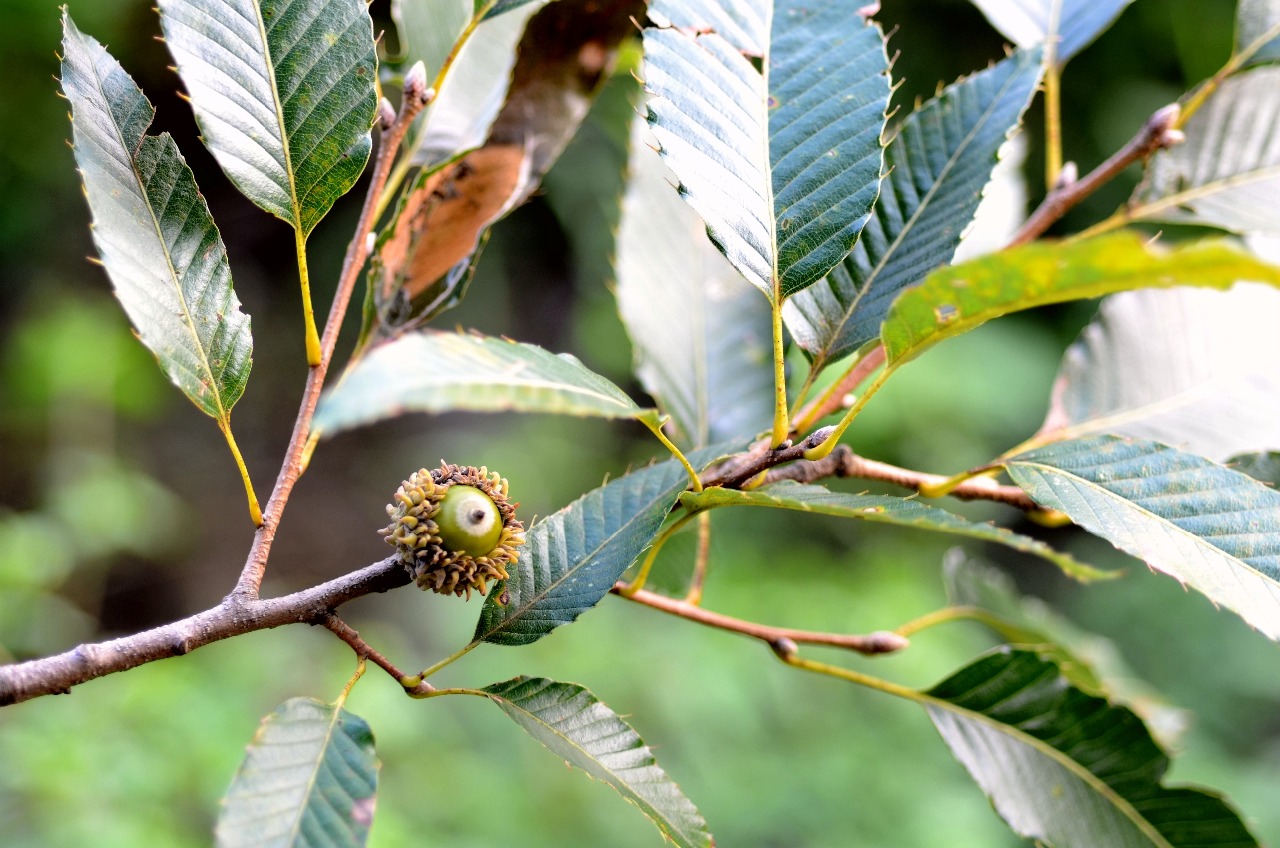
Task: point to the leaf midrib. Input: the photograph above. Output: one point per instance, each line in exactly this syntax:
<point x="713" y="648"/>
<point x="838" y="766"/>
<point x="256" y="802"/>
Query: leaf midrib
<point x="223" y="416"/>
<point x="278" y="107"/>
<point x="518" y="615"/>
<point x="315" y="773"/>
<point x="925" y="201"/>
<point x="1204" y="190"/>
<point x="1198" y="541"/>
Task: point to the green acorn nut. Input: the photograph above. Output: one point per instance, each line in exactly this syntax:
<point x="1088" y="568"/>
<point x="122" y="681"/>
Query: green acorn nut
<point x="455" y="528"/>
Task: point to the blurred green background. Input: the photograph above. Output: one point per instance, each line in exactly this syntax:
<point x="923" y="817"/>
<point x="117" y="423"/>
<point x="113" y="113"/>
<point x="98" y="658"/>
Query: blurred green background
<point x="120" y="509"/>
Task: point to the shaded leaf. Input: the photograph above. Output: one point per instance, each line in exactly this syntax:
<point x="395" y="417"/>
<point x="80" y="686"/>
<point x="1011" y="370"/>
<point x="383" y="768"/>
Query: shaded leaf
<point x="284" y="92"/>
<point x="1073" y="24"/>
<point x="1263" y="466"/>
<point x="154" y="233"/>
<point x="1258" y="23"/>
<point x="938" y="163"/>
<point x="885" y="509"/>
<point x="1192" y="368"/>
<point x="571" y="559"/>
<point x="1088" y="661"/>
<point x="486" y="9"/>
<point x="1211" y="528"/>
<point x="427" y="32"/>
<point x="701" y="335"/>
<point x="435" y="371"/>
<point x="430" y="247"/>
<point x="955" y="300"/>
<point x="580" y="729"/>
<point x="785" y="172"/>
<point x="1227" y="173"/>
<point x="1067" y="768"/>
<point x="309" y="779"/>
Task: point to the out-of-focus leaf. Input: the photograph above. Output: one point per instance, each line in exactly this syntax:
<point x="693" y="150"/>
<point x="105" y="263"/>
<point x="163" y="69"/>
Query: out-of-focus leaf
<point x="1088" y="661"/>
<point x="1072" y="24"/>
<point x="955" y="300"/>
<point x="435" y="371"/>
<point x="486" y="9"/>
<point x="284" y="92"/>
<point x="885" y="509"/>
<point x="570" y="560"/>
<point x="701" y="335"/>
<point x="309" y="779"/>
<point x="1258" y="21"/>
<point x="1188" y="367"/>
<point x="428" y="30"/>
<point x="784" y="169"/>
<point x="1210" y="528"/>
<point x="939" y="163"/>
<point x="1066" y="768"/>
<point x="1263" y="466"/>
<point x="580" y="729"/>
<point x="154" y="232"/>
<point x="430" y="247"/>
<point x="1227" y="173"/>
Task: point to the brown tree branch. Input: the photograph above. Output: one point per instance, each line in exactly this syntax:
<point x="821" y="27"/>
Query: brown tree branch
<point x="1158" y="132"/>
<point x="416" y="97"/>
<point x="880" y="642"/>
<point x="843" y="462"/>
<point x="233" y="617"/>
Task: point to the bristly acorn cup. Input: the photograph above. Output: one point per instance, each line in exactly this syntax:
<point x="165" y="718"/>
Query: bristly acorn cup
<point x="455" y="528"/>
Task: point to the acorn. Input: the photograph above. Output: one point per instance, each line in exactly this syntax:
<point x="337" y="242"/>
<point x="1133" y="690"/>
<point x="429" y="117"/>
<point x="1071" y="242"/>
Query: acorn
<point x="455" y="528"/>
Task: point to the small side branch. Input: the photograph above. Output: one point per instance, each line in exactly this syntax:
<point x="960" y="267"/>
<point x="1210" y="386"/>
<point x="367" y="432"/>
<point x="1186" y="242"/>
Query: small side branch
<point x="416" y="97"/>
<point x="365" y="651"/>
<point x="1158" y="132"/>
<point x="843" y="462"/>
<point x="880" y="642"/>
<point x="233" y="617"/>
<point x="740" y="470"/>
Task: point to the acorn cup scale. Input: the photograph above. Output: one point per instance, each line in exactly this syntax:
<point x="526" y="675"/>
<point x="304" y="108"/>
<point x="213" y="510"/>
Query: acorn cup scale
<point x="455" y="528"/>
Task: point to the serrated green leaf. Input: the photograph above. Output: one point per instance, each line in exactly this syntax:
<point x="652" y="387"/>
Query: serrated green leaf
<point x="955" y="300"/>
<point x="1188" y="367"/>
<point x="1067" y="768"/>
<point x="784" y="167"/>
<point x="1211" y="528"/>
<point x="743" y="23"/>
<point x="154" y="233"/>
<point x="1258" y="27"/>
<point x="1088" y="661"/>
<point x="571" y="559"/>
<point x="701" y="335"/>
<point x="1072" y="24"/>
<point x="284" y="92"/>
<point x="309" y="779"/>
<point x="938" y="164"/>
<point x="580" y="729"/>
<point x="435" y="371"/>
<point x="885" y="509"/>
<point x="1227" y="172"/>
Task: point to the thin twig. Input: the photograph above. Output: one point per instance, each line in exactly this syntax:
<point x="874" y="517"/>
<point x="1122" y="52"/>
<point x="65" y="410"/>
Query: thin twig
<point x="364" y="650"/>
<point x="739" y="470"/>
<point x="843" y="462"/>
<point x="416" y="96"/>
<point x="1158" y="132"/>
<point x="233" y="617"/>
<point x="700" y="561"/>
<point x="880" y="642"/>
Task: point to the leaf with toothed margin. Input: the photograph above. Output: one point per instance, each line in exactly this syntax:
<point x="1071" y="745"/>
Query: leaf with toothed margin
<point x="887" y="509"/>
<point x="784" y="166"/>
<point x="570" y="560"/>
<point x="309" y="780"/>
<point x="285" y="95"/>
<point x="938" y="163"/>
<point x="1207" y="526"/>
<point x="154" y="233"/>
<point x="1067" y="768"/>
<point x="579" y="728"/>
